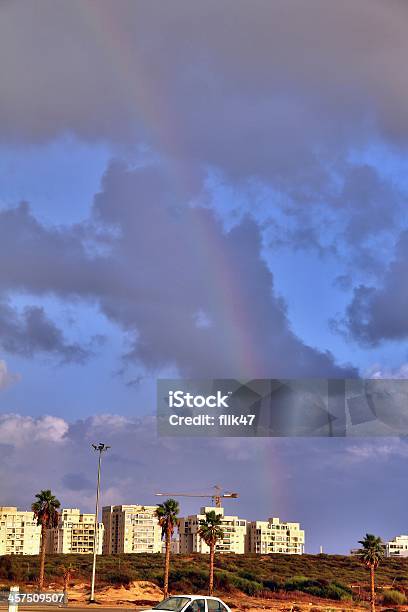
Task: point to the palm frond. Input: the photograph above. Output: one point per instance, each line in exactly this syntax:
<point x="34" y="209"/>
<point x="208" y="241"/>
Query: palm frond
<point x="166" y="514"/>
<point x="45" y="509"/>
<point x="210" y="529"/>
<point x="372" y="551"/>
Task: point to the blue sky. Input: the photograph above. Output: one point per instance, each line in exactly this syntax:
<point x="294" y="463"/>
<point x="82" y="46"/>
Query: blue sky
<point x="149" y="183"/>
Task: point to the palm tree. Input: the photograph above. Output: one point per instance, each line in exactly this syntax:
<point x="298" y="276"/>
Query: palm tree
<point x="67" y="571"/>
<point x="210" y="531"/>
<point x="46" y="512"/>
<point x="167" y="516"/>
<point x="371" y="553"/>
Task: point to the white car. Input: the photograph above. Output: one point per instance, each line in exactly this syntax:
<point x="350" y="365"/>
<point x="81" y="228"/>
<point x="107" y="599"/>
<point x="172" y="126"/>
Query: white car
<point x="191" y="603"/>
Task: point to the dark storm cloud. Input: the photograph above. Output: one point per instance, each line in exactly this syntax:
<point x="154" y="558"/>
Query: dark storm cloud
<point x="35" y="257"/>
<point x="32" y="332"/>
<point x="76" y="481"/>
<point x="170" y="268"/>
<point x="256" y="88"/>
<point x="178" y="263"/>
<point x="377" y="314"/>
<point x="40" y="261"/>
<point x="355" y="223"/>
<point x="278" y="90"/>
<point x="371" y="203"/>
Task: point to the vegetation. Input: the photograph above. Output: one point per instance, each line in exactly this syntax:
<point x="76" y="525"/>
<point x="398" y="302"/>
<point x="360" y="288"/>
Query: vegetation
<point x="319" y="588"/>
<point x="167" y="516"/>
<point x="211" y="531"/>
<point x="371" y="553"/>
<point x="45" y="510"/>
<point x="327" y="576"/>
<point x="394" y="598"/>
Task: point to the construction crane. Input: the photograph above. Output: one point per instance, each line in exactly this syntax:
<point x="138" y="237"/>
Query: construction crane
<point x="215" y="497"/>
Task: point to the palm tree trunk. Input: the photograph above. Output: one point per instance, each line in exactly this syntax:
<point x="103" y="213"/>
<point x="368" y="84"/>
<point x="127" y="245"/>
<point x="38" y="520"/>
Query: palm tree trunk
<point x="67" y="578"/>
<point x="42" y="556"/>
<point x="372" y="585"/>
<point x="211" y="585"/>
<point x="167" y="564"/>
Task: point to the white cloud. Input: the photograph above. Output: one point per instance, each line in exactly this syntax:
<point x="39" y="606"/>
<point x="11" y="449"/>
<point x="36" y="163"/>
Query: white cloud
<point x="107" y="422"/>
<point x="18" y="431"/>
<point x="378" y="371"/>
<point x="202" y="320"/>
<point x="382" y="450"/>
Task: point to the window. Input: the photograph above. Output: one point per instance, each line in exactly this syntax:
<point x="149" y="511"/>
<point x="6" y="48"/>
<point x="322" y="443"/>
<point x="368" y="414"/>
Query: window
<point x="198" y="605"/>
<point x="174" y="604"/>
<point x="214" y="605"/>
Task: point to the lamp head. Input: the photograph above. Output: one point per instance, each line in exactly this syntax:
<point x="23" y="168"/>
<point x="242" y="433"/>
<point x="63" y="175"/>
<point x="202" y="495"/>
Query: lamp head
<point x="100" y="447"/>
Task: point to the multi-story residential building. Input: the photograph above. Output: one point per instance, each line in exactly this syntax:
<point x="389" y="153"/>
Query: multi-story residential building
<point x="75" y="533"/>
<point x="19" y="532"/>
<point x="272" y="536"/>
<point x="135" y="529"/>
<point x="131" y="529"/>
<point x="398" y="547"/>
<point x="234" y="533"/>
<point x="174" y="546"/>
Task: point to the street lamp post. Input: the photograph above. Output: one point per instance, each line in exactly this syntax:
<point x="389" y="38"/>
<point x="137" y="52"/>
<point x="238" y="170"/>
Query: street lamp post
<point x="99" y="448"/>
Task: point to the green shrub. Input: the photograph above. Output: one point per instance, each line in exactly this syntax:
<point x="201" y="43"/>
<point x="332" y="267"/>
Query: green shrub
<point x="319" y="588"/>
<point x="394" y="598"/>
<point x="119" y="577"/>
<point x="247" y="575"/>
<point x="249" y="587"/>
<point x="223" y="581"/>
<point x="272" y="585"/>
<point x="188" y="579"/>
<point x="299" y="583"/>
<point x="12" y="569"/>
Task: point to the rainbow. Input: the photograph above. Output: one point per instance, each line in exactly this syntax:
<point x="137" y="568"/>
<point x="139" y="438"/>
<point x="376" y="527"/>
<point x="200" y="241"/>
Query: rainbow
<point x="166" y="133"/>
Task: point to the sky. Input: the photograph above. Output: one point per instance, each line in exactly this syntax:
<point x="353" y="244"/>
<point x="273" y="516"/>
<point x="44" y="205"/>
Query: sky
<point x="201" y="190"/>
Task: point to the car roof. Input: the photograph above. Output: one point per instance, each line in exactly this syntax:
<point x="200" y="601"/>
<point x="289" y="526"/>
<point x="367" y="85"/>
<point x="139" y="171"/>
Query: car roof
<point x="197" y="596"/>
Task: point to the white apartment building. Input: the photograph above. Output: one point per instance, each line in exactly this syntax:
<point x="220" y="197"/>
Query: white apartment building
<point x="234" y="529"/>
<point x="272" y="536"/>
<point x="398" y="547"/>
<point x="75" y="533"/>
<point x="131" y="529"/>
<point x="19" y="532"/>
<point x="174" y="546"/>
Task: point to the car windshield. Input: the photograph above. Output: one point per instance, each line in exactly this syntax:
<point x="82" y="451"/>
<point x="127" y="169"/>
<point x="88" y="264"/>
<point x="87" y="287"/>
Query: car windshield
<point x="175" y="604"/>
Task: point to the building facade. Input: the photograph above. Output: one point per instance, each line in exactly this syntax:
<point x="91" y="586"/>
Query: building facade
<point x="234" y="529"/>
<point x="19" y="532"/>
<point x="398" y="547"/>
<point x="273" y="536"/>
<point x="174" y="546"/>
<point x="131" y="529"/>
<point x="135" y="529"/>
<point x="75" y="533"/>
